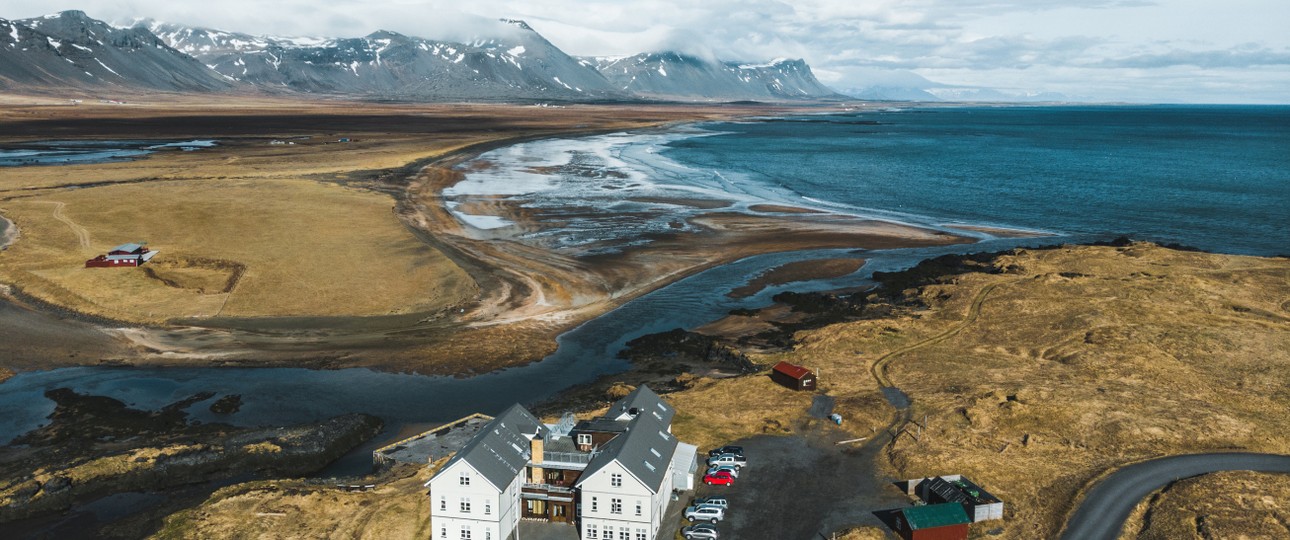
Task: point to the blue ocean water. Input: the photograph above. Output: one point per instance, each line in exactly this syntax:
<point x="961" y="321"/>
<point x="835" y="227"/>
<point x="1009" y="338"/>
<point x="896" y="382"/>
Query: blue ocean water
<point x="1213" y="177"/>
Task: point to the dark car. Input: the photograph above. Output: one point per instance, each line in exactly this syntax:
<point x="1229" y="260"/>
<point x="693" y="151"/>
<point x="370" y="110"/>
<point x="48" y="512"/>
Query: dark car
<point x="736" y="450"/>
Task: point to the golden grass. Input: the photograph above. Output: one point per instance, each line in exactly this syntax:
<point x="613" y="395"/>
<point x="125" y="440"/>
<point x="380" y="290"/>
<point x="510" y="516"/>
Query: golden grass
<point x="1080" y="359"/>
<point x="291" y="509"/>
<point x="307" y="248"/>
<point x="1238" y="505"/>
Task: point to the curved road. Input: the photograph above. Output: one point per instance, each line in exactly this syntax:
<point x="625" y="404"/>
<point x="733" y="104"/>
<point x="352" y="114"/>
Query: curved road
<point x="1101" y="514"/>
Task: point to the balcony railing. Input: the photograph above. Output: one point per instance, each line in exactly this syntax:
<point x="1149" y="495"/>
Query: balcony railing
<point x="577" y="458"/>
<point x="550" y="488"/>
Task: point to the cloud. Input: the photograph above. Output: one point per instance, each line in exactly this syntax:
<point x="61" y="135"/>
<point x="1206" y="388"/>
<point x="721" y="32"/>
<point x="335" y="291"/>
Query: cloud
<point x="1218" y="59"/>
<point x="1032" y="44"/>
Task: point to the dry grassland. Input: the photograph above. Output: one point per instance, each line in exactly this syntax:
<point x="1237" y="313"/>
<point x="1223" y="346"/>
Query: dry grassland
<point x="1238" y="505"/>
<point x="293" y="509"/>
<point x="287" y="247"/>
<point x="1078" y="360"/>
<point x="266" y="219"/>
<point x="1075" y="361"/>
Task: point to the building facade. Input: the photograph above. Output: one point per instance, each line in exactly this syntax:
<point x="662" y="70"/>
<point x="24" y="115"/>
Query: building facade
<point x="476" y="495"/>
<point x="612" y="477"/>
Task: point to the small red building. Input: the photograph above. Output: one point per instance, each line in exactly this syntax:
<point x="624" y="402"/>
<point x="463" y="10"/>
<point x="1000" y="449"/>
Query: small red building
<point x="793" y="376"/>
<point x="945" y="521"/>
<point x="129" y="255"/>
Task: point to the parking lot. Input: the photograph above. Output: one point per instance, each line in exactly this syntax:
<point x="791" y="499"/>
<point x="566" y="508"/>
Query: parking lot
<point x="803" y="486"/>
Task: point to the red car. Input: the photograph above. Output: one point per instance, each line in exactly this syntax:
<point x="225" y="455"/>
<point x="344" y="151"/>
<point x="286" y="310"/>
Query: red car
<point x="720" y="477"/>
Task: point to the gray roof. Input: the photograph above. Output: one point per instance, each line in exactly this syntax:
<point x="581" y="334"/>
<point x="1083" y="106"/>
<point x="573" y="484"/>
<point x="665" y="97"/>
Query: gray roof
<point x="646" y="447"/>
<point x="128" y="248"/>
<point x="501" y="449"/>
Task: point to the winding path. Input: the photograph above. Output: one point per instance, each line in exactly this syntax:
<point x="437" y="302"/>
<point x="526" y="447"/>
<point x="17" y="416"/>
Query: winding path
<point x="879" y="367"/>
<point x="82" y="235"/>
<point x="1104" y="508"/>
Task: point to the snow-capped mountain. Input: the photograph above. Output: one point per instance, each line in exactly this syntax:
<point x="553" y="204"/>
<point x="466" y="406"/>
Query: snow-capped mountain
<point x="72" y="50"/>
<point x="521" y="65"/>
<point x="676" y="76"/>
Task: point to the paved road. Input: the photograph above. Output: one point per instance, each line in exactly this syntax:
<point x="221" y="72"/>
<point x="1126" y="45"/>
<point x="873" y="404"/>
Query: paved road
<point x="1102" y="513"/>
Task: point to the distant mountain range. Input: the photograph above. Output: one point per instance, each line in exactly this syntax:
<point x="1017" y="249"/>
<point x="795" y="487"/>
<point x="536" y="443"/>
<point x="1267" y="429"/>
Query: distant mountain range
<point x="71" y="50"/>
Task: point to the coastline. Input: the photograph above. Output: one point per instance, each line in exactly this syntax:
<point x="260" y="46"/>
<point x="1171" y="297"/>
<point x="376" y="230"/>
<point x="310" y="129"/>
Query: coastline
<point x="529" y="296"/>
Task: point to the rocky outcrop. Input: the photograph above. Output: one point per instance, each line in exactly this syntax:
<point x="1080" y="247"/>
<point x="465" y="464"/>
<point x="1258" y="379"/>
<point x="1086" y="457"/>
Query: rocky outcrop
<point x="287" y="451"/>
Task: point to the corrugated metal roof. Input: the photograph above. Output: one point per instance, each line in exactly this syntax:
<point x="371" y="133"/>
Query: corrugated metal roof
<point x="792" y="370"/>
<point x="935" y="515"/>
<point x="128" y="248"/>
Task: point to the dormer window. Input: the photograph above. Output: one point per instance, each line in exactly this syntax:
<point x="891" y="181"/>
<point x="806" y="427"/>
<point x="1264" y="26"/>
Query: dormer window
<point x="584" y="439"/>
<point x="616" y="480"/>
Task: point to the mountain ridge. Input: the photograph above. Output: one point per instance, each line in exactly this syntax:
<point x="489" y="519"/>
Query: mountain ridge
<point x="71" y="50"/>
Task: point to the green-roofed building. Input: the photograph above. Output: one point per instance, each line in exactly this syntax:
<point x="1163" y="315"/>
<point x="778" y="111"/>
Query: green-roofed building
<point x="945" y="521"/>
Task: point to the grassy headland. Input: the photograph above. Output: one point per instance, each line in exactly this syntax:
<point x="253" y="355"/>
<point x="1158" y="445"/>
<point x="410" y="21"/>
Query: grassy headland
<point x="1037" y="371"/>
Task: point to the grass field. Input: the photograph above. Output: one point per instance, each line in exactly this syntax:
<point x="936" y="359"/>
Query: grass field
<point x="295" y="247"/>
<point x="1238" y="505"/>
<point x="1047" y="369"/>
<point x="250" y="229"/>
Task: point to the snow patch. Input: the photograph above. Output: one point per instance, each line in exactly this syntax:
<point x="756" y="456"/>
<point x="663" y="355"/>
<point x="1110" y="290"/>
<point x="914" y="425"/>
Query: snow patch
<point x="108" y="68"/>
<point x="516" y="50"/>
<point x="662" y="71"/>
<point x="54" y="42"/>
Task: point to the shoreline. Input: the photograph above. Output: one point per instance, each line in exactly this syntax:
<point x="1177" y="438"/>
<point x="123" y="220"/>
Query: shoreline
<point x="534" y="295"/>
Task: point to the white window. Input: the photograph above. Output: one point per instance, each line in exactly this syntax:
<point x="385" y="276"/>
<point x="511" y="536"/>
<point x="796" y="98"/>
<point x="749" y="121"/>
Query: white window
<point x="615" y="506"/>
<point x="465" y="479"/>
<point x="616" y="480"/>
<point x="638" y="508"/>
<point x="640" y="534"/>
<point x="593" y="504"/>
<point x="465" y="532"/>
<point x="488" y="535"/>
<point x="465" y="505"/>
<point x="443" y="506"/>
<point x="624" y="533"/>
<point x="488" y="508"/>
<point x="443" y="532"/>
<point x="584" y="438"/>
<point x="592" y="534"/>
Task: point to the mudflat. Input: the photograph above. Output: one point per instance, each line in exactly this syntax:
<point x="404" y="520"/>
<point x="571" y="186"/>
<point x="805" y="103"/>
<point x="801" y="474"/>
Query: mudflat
<point x="315" y="234"/>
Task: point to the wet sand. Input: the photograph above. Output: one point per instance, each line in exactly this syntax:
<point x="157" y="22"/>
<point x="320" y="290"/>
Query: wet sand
<point x="798" y="271"/>
<point x="529" y="294"/>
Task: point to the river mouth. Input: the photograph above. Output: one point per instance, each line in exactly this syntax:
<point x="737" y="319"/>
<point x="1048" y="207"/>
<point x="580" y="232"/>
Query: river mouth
<point x="89" y="152"/>
<point x="285" y="396"/>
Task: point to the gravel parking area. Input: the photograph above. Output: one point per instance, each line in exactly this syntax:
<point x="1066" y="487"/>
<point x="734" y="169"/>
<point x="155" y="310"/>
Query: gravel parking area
<point x="804" y="487"/>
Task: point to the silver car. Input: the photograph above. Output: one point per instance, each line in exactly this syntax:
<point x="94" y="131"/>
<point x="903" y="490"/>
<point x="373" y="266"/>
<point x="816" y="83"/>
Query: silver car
<point x="705" y="513"/>
<point x="700" y="531"/>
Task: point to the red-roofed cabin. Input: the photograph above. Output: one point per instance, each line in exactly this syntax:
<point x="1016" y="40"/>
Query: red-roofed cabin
<point x="127" y="255"/>
<point x="793" y="376"/>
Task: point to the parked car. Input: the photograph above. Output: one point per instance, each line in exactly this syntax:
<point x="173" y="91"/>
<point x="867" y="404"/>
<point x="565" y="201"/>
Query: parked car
<point x="700" y="531"/>
<point x="714" y="501"/>
<point x="721" y="478"/>
<point x="728" y="449"/>
<point x="705" y="513"/>
<point x="727" y="459"/>
<point x="733" y="470"/>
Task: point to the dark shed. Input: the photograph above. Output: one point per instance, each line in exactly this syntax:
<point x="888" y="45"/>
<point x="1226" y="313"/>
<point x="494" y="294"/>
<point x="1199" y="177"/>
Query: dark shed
<point x="793" y="376"/>
<point x="933" y="522"/>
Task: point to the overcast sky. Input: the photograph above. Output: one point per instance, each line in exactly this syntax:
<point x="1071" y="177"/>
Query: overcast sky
<point x="1230" y="51"/>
